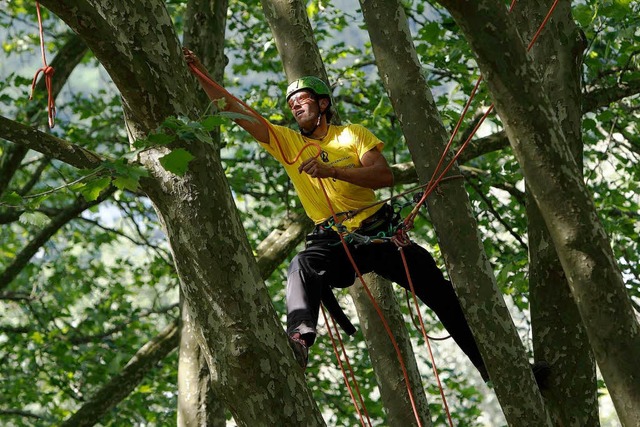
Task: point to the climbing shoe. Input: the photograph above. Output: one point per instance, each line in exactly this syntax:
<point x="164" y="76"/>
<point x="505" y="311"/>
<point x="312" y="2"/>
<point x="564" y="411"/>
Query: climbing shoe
<point x="300" y="349"/>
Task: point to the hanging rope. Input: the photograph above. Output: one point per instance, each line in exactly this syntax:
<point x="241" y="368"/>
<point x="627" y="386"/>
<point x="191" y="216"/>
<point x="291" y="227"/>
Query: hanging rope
<point x="426" y="337"/>
<point x="342" y="369"/>
<point x="47" y="71"/>
<point x="435" y="182"/>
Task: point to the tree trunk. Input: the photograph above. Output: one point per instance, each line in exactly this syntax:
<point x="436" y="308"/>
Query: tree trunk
<point x="294" y="38"/>
<point x="452" y="217"/>
<point x="197" y="403"/>
<point x="198" y="406"/>
<point x="557" y="188"/>
<point x="559" y="336"/>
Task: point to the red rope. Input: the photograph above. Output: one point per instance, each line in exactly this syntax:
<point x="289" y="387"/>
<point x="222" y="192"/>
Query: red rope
<point x="426" y="337"/>
<point x="47" y="71"/>
<point x="344" y="374"/>
<point x="541" y="27"/>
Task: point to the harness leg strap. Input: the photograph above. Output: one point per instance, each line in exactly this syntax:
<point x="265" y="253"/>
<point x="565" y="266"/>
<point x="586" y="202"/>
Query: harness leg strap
<point x="331" y="304"/>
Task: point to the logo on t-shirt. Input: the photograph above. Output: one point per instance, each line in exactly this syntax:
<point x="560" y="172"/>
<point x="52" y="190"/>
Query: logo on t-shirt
<point x="324" y="156"/>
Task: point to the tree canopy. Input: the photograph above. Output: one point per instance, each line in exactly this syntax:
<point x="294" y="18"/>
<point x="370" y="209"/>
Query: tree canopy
<point x="110" y="218"/>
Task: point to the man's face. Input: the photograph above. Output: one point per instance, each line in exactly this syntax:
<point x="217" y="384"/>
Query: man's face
<point x="304" y="108"/>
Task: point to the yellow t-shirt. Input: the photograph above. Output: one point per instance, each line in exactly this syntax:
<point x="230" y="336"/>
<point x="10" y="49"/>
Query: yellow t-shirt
<point x="342" y="147"/>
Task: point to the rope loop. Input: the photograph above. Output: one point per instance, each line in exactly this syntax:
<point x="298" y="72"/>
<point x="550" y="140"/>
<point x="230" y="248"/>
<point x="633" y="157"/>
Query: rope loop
<point x="401" y="238"/>
<point x="47" y="71"/>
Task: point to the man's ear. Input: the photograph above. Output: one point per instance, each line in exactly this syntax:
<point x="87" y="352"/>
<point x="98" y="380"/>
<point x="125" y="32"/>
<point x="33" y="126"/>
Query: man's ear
<point x="324" y="104"/>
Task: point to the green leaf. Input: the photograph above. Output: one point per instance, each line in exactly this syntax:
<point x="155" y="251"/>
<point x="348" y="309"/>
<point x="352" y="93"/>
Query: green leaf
<point x="37" y="338"/>
<point x="34" y="203"/>
<point x="177" y="161"/>
<point x="145" y="389"/>
<point x="34" y="218"/>
<point x="160" y="138"/>
<point x="431" y="31"/>
<point x="126" y="183"/>
<point x="92" y="189"/>
<point x="12" y="199"/>
<point x="383" y="108"/>
<point x="211" y="122"/>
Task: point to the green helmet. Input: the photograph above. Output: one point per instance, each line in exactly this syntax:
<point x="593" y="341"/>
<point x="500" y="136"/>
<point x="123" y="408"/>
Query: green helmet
<point x="310" y="83"/>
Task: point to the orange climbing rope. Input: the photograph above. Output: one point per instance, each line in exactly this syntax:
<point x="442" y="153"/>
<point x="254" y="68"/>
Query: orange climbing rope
<point x="47" y="71"/>
<point x="334" y="327"/>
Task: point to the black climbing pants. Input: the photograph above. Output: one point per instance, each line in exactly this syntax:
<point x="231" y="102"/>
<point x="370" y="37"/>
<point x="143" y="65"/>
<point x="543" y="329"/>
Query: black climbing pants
<point x="324" y="263"/>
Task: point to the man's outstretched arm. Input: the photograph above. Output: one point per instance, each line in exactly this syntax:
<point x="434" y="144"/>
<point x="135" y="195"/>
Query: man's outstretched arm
<point x="255" y="126"/>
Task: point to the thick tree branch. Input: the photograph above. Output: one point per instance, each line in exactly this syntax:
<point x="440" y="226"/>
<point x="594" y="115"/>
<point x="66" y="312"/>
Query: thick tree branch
<point x="19" y="413"/>
<point x="274" y="249"/>
<point x="48" y="145"/>
<point x="598" y="97"/>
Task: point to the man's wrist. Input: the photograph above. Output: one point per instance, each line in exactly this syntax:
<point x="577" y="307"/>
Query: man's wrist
<point x="335" y="173"/>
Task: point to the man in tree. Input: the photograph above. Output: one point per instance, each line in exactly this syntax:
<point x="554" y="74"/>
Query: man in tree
<point x="338" y="170"/>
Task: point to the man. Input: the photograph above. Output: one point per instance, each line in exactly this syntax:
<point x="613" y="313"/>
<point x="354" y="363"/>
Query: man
<point x="349" y="166"/>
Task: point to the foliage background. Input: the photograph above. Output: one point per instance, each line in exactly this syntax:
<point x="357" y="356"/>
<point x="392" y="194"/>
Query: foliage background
<point x="104" y="284"/>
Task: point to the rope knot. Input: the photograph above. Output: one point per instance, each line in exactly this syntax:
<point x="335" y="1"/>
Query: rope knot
<point x="401" y="238"/>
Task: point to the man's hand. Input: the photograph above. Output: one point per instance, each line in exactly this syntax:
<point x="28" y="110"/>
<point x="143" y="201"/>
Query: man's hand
<point x="316" y="169"/>
<point x="191" y="58"/>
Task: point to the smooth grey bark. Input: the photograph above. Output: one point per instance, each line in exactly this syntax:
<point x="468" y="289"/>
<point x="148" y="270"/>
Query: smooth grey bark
<point x="198" y="405"/>
<point x="294" y="38"/>
<point x="559" y="336"/>
<point x="452" y="217"/>
<point x="236" y="324"/>
<point x="384" y="359"/>
<point x="205" y="23"/>
<point x="556" y="185"/>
